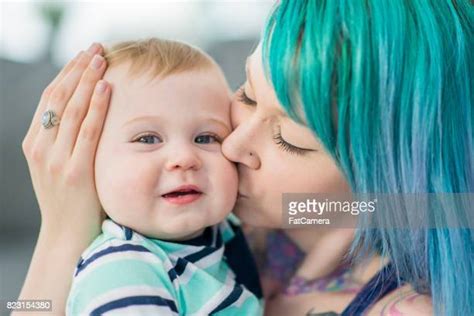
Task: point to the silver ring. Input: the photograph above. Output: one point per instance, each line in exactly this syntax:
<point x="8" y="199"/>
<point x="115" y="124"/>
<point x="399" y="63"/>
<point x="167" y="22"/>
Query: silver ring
<point x="49" y="119"/>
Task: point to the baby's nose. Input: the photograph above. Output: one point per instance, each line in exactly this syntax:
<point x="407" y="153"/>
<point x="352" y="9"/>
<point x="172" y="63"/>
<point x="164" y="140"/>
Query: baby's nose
<point x="184" y="158"/>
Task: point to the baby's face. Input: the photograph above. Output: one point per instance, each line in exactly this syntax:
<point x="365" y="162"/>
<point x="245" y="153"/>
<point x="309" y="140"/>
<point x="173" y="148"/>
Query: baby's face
<point x="159" y="168"/>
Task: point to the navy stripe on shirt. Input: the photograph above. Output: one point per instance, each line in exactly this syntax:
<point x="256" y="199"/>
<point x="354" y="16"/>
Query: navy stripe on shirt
<point x="178" y="269"/>
<point x="135" y="300"/>
<point x="230" y="299"/>
<point x="180" y="265"/>
<point x="113" y="249"/>
<point x="194" y="257"/>
<point x="128" y="233"/>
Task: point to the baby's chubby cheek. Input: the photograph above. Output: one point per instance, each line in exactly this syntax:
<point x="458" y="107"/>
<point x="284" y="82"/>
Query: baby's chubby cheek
<point x="225" y="179"/>
<point x="124" y="185"/>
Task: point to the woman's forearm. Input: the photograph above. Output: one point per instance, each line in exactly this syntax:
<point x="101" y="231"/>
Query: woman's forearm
<point x="51" y="268"/>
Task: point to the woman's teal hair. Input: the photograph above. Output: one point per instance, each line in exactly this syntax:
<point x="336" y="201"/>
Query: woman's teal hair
<point x="387" y="87"/>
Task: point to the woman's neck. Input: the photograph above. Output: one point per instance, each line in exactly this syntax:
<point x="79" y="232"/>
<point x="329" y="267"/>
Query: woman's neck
<point x="326" y="250"/>
<point x="308" y="238"/>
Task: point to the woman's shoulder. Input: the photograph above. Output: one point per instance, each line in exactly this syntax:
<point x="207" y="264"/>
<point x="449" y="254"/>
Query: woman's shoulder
<point x="403" y="301"/>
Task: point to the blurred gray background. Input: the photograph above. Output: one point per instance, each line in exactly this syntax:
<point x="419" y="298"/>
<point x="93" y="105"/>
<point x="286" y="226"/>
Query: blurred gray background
<point x="38" y="37"/>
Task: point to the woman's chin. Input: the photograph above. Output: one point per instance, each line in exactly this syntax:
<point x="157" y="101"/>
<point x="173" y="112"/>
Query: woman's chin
<point x="253" y="217"/>
<point x="246" y="216"/>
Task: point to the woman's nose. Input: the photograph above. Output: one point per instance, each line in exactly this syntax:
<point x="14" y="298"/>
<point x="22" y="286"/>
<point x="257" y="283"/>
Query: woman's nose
<point x="183" y="158"/>
<point x="241" y="146"/>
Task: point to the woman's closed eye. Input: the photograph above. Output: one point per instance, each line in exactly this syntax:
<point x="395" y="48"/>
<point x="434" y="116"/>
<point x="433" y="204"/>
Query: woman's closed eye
<point x="244" y="98"/>
<point x="289" y="147"/>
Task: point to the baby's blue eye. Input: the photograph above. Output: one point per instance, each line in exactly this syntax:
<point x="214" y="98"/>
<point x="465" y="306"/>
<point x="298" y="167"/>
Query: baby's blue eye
<point x="206" y="139"/>
<point x="148" y="139"/>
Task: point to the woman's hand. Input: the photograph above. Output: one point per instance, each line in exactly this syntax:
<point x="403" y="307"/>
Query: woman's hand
<point x="61" y="158"/>
<point x="61" y="164"/>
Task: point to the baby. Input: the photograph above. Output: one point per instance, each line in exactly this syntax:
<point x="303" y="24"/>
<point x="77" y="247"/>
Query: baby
<point x="168" y="245"/>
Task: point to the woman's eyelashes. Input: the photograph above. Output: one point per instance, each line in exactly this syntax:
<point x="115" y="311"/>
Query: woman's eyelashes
<point x="244" y="98"/>
<point x="289" y="147"/>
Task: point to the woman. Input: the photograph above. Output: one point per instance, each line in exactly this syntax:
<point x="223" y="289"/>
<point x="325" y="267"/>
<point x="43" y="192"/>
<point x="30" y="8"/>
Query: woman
<point x="360" y="96"/>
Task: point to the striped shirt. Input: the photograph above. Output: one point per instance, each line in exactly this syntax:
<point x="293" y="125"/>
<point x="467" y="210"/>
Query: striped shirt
<point x="125" y="273"/>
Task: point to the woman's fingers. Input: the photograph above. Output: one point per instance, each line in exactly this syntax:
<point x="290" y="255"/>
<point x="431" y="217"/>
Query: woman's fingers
<point x="36" y="121"/>
<point x="91" y="128"/>
<point x="59" y="97"/>
<point x="78" y="106"/>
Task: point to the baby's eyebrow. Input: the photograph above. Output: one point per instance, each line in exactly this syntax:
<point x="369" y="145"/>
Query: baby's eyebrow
<point x="220" y="123"/>
<point x="159" y="120"/>
<point x="148" y="118"/>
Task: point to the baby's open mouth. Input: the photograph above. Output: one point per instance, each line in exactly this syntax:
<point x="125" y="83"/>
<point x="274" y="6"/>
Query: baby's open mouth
<point x="180" y="193"/>
<point x="183" y="195"/>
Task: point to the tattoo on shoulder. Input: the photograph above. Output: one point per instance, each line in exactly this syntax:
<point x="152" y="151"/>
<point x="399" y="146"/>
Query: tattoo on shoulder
<point x="392" y="307"/>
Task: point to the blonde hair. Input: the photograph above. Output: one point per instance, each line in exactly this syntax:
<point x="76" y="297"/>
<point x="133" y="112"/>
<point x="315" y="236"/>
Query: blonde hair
<point x="157" y="57"/>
